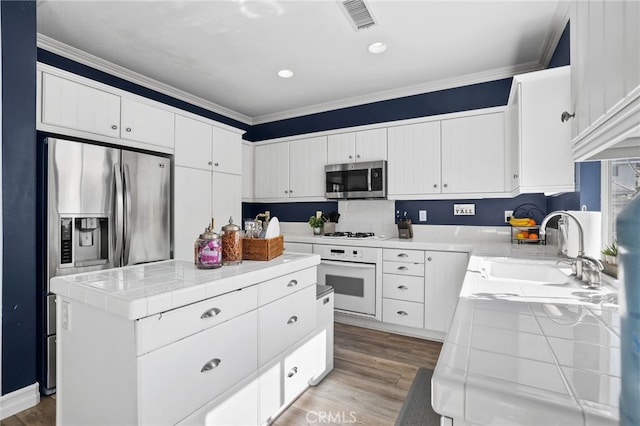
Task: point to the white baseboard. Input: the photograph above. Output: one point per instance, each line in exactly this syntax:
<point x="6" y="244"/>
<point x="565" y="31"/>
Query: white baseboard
<point x="19" y="400"/>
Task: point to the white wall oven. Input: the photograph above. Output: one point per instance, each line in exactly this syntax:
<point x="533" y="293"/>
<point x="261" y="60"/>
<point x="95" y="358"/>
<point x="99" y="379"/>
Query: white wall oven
<point x="351" y="271"/>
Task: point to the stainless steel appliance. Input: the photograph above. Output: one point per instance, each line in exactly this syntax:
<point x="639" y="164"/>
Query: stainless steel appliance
<point x="356" y="180"/>
<point x="106" y="207"/>
<point x="351" y="271"/>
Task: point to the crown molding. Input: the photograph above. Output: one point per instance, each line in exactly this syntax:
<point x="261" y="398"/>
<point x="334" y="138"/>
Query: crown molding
<point x="556" y="27"/>
<point x="481" y="77"/>
<point x="77" y="55"/>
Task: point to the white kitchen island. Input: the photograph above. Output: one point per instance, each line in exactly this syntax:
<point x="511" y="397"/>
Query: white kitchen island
<point x="529" y="346"/>
<point x="166" y="343"/>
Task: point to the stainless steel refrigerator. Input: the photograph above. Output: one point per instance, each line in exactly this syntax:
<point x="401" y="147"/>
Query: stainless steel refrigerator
<point x="106" y="208"/>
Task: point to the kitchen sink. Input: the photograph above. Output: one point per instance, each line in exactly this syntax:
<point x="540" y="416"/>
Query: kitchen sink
<point x="528" y="273"/>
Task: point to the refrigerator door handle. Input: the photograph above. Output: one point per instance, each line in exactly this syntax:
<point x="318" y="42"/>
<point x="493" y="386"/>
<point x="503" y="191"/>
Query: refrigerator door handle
<point x="119" y="206"/>
<point x="127" y="217"/>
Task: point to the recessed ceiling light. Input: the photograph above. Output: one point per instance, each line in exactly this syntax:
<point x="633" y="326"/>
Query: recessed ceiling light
<point x="285" y="73"/>
<point x="377" y="47"/>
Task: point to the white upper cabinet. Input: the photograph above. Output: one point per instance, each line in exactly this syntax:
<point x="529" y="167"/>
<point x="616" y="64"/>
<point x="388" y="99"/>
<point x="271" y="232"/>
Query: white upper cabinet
<point x="473" y="154"/>
<point x="66" y="103"/>
<point x="192" y="209"/>
<point x="226" y="199"/>
<point x="365" y="145"/>
<point x="146" y="123"/>
<point x="193" y="143"/>
<point x="227" y="151"/>
<point x="291" y="170"/>
<point x="247" y="171"/>
<point x="414" y="159"/>
<point x="605" y="79"/>
<point x="307" y="158"/>
<point x="539" y="143"/>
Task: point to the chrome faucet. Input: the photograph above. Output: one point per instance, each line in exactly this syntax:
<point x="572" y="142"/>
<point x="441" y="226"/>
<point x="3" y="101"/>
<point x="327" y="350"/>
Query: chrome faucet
<point x="593" y="266"/>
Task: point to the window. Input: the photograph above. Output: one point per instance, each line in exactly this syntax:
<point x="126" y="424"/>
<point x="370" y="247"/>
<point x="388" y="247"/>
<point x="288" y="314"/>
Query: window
<point x="620" y="182"/>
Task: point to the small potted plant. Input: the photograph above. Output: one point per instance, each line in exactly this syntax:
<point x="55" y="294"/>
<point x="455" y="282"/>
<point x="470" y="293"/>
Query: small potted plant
<point x="611" y="259"/>
<point x="316" y="223"/>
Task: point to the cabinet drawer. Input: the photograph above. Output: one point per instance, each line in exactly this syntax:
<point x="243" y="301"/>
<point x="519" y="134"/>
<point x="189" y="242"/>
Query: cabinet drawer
<point x="402" y="268"/>
<point x="403" y="313"/>
<point x="182" y="377"/>
<point x="284" y="322"/>
<point x="159" y="330"/>
<point x="413" y="256"/>
<point x="299" y="368"/>
<point x="403" y="287"/>
<point x="277" y="288"/>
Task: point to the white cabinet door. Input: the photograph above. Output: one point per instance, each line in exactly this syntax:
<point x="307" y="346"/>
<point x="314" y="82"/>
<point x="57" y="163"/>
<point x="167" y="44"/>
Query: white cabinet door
<point x="271" y="171"/>
<point x="545" y="150"/>
<point x="371" y="145"/>
<point x="512" y="139"/>
<point x="473" y="154"/>
<point x="247" y="171"/>
<point x="192" y="209"/>
<point x="341" y="148"/>
<point x="193" y="143"/>
<point x="227" y="151"/>
<point x="145" y="123"/>
<point x="444" y="274"/>
<point x="226" y="199"/>
<point x="414" y="159"/>
<point x="307" y="158"/>
<point x="73" y="105"/>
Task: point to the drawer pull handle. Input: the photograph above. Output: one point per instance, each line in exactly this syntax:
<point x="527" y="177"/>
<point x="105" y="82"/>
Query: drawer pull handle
<point x="292" y="283"/>
<point x="403" y="255"/>
<point x="210" y="365"/>
<point x="403" y="287"/>
<point x="292" y="320"/>
<point x="403" y="268"/>
<point x="210" y="313"/>
<point x="402" y="313"/>
<point x="292" y="372"/>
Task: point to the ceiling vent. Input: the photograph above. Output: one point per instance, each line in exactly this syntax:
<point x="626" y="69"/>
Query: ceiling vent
<point x="358" y="13"/>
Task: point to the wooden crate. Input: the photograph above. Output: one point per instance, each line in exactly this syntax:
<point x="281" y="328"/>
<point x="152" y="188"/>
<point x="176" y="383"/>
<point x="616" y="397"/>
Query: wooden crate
<point x="262" y="249"/>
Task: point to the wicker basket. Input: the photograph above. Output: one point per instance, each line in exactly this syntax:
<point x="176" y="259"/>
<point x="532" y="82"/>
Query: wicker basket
<point x="262" y="249"/>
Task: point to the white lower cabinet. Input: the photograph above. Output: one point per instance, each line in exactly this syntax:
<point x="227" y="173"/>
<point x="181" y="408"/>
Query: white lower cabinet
<point x="410" y="314"/>
<point x="183" y="376"/>
<point x="444" y="274"/>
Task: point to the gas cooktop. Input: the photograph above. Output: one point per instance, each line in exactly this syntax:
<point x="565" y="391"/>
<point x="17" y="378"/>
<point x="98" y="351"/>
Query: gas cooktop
<point x="350" y="235"/>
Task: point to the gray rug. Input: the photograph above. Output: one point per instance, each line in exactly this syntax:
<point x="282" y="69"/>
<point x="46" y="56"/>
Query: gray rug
<point x="417" y="410"/>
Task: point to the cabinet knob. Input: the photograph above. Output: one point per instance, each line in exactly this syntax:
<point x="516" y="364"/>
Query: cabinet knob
<point x="210" y="365"/>
<point x="515" y="176"/>
<point x="209" y="162"/>
<point x="114" y="127"/>
<point x="350" y="157"/>
<point x="429" y="259"/>
<point x="446" y="185"/>
<point x="291" y="191"/>
<point x="435" y="185"/>
<point x="565" y="116"/>
<point x="402" y="313"/>
<point x="216" y="164"/>
<point x="358" y="156"/>
<point x="128" y="129"/>
<point x="210" y="313"/>
<point x="403" y="287"/>
<point x="292" y="320"/>
<point x="292" y="372"/>
<point x="286" y="192"/>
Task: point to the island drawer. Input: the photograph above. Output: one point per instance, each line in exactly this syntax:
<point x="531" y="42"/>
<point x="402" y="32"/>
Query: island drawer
<point x="182" y="377"/>
<point x="279" y="287"/>
<point x="284" y="322"/>
<point x="400" y="312"/>
<point x="403" y="268"/>
<point x="403" y="287"/>
<point x="159" y="330"/>
<point x="397" y="255"/>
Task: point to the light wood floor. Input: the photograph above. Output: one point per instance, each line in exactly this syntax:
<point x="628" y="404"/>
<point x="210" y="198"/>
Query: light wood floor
<point x="372" y="373"/>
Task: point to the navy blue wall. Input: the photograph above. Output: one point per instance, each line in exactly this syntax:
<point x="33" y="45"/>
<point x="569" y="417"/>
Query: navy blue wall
<point x="562" y="55"/>
<point x="19" y="289"/>
<point x="288" y="212"/>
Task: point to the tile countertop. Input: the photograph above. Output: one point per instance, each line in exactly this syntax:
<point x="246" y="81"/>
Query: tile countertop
<point x="137" y="291"/>
<point x="529" y="354"/>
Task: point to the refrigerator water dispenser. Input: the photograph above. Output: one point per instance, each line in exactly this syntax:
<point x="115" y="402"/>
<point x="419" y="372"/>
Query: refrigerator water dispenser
<point x="84" y="241"/>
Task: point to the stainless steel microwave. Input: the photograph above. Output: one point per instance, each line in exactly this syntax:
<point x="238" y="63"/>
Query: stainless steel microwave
<point x="356" y="180"/>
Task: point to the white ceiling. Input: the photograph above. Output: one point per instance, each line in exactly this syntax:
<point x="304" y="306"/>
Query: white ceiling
<point x="224" y="55"/>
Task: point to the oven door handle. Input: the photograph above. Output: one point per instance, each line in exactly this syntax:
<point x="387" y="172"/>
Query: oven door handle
<point x="348" y="264"/>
